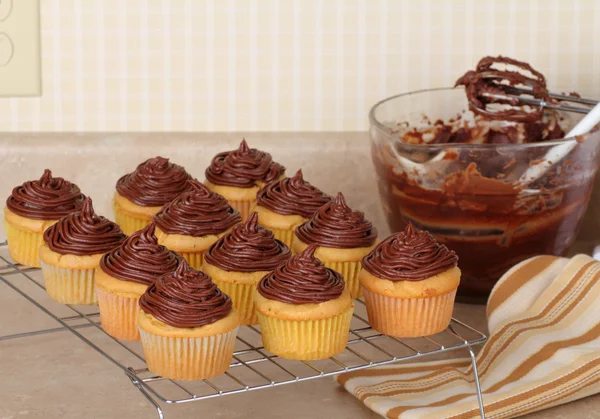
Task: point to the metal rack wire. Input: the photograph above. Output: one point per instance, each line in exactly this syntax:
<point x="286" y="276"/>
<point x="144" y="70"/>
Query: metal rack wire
<point x="253" y="368"/>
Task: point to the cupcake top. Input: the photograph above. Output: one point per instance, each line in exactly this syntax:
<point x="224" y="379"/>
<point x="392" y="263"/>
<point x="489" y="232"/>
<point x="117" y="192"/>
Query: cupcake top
<point x="410" y="255"/>
<point x="140" y="258"/>
<point x="248" y="247"/>
<point x="83" y="233"/>
<point x="154" y="183"/>
<point x="335" y="224"/>
<point x="292" y="196"/>
<point x="197" y="212"/>
<point x="303" y="279"/>
<point x="48" y="198"/>
<point x="185" y="298"/>
<point x="243" y="167"/>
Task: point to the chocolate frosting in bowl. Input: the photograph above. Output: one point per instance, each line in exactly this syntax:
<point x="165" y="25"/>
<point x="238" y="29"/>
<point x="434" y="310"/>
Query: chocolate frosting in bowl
<point x="248" y="247"/>
<point x="154" y="183"/>
<point x="83" y="233"/>
<point x="140" y="258"/>
<point x="197" y="212"/>
<point x="292" y="196"/>
<point x="242" y="168"/>
<point x="335" y="224"/>
<point x="48" y="198"/>
<point x="185" y="298"/>
<point x="409" y="255"/>
<point x="303" y="279"/>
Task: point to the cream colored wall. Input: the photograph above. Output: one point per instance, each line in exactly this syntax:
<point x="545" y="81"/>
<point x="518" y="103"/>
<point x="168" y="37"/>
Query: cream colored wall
<point x="303" y="65"/>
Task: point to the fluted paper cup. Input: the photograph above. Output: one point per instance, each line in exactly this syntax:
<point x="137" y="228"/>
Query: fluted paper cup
<point x="194" y="259"/>
<point x="409" y="317"/>
<point x="243" y="206"/>
<point x="350" y="271"/>
<point x="194" y="358"/>
<point x="69" y="286"/>
<point x="118" y="315"/>
<point x="306" y="339"/>
<point x="23" y="246"/>
<point x="242" y="296"/>
<point x="130" y="224"/>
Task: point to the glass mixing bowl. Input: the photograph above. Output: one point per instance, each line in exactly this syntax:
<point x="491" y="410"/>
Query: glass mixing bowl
<point x="467" y="195"/>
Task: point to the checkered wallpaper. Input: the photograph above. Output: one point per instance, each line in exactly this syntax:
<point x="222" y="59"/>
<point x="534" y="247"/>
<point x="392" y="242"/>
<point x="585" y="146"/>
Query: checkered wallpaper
<point x="282" y="65"/>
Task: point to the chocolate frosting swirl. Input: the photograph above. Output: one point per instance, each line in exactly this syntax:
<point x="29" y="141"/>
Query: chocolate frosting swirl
<point x="292" y="196"/>
<point x="140" y="258"/>
<point x="185" y="298"/>
<point x="154" y="183"/>
<point x="243" y="167"/>
<point x="410" y="255"/>
<point x="197" y="212"/>
<point x="83" y="233"/>
<point x="303" y="279"/>
<point x="335" y="224"/>
<point x="48" y="198"/>
<point x="248" y="247"/>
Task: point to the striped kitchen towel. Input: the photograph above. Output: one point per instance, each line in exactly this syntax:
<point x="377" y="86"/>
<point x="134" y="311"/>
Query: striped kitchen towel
<point x="543" y="350"/>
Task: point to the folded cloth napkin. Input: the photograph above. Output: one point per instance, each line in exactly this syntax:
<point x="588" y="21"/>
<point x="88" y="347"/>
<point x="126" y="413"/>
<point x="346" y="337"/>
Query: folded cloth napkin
<point x="543" y="350"/>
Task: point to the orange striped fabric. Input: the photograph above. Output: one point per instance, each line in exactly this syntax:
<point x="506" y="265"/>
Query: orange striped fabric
<point x="543" y="350"/>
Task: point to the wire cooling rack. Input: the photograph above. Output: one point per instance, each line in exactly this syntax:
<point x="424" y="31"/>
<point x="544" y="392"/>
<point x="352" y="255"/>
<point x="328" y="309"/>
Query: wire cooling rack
<point x="253" y="367"/>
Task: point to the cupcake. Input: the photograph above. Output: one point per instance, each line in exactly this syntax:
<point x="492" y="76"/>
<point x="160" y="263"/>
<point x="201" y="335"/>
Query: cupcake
<point x="124" y="275"/>
<point x="344" y="237"/>
<point x="239" y="174"/>
<point x="284" y="204"/>
<point x="142" y="193"/>
<point x="239" y="259"/>
<point x="31" y="209"/>
<point x="71" y="253"/>
<point x="304" y="309"/>
<point x="409" y="282"/>
<point x="188" y="326"/>
<point x="193" y="221"/>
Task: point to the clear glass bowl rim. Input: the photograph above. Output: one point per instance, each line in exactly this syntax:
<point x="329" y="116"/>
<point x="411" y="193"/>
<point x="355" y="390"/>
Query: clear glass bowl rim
<point x="595" y="136"/>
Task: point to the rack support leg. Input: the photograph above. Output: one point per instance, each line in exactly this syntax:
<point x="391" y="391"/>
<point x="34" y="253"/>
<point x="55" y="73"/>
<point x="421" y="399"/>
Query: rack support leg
<point x="477" y="384"/>
<point x="159" y="410"/>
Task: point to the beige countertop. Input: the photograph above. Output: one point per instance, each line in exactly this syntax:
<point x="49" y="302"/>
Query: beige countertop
<point x="58" y="376"/>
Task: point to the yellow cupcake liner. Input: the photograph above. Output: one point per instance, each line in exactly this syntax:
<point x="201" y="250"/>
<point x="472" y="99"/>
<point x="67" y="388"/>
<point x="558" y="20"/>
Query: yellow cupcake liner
<point x="119" y="315"/>
<point x="194" y="259"/>
<point x="23" y="246"/>
<point x="350" y="271"/>
<point x="69" y="286"/>
<point x="286" y="236"/>
<point x="244" y="207"/>
<point x="306" y="339"/>
<point x="129" y="224"/>
<point x="409" y="317"/>
<point x="242" y="296"/>
<point x="188" y="358"/>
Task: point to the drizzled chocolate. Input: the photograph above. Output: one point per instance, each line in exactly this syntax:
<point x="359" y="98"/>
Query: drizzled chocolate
<point x="197" y="212"/>
<point x="185" y="298"/>
<point x="248" y="248"/>
<point x="292" y="196"/>
<point x="410" y="255"/>
<point x="48" y="198"/>
<point x="243" y="167"/>
<point x="303" y="279"/>
<point x="335" y="224"/>
<point x="140" y="258"/>
<point x="489" y="85"/>
<point x="154" y="183"/>
<point x="83" y="233"/>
